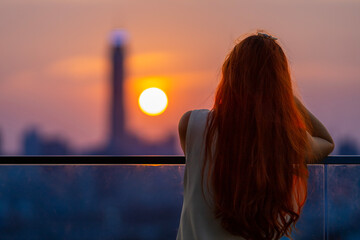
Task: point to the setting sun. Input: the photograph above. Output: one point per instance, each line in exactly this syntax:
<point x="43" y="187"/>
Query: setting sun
<point x="153" y="101"/>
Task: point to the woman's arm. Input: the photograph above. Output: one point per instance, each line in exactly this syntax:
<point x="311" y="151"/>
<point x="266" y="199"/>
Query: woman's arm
<point x="321" y="142"/>
<point x="183" y="124"/>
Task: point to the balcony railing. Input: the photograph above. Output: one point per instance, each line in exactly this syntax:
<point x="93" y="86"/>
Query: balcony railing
<point x="140" y="197"/>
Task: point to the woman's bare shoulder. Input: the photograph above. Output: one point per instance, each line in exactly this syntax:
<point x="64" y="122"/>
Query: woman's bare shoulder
<point x="183" y="124"/>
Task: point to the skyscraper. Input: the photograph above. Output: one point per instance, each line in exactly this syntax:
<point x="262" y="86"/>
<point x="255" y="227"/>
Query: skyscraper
<point x="120" y="141"/>
<point x="117" y="124"/>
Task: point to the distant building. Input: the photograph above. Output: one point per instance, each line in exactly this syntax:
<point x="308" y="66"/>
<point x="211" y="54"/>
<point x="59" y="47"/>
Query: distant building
<point x="35" y="144"/>
<point x="117" y="115"/>
<point x="55" y="146"/>
<point x="348" y="146"/>
<point x="32" y="142"/>
<point x="121" y="142"/>
<point x="1" y="151"/>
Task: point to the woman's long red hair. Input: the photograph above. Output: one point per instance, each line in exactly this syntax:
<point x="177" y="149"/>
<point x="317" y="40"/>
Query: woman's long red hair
<point x="256" y="143"/>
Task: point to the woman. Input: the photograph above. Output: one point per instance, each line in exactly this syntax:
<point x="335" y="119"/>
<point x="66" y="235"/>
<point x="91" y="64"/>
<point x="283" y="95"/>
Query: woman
<point x="246" y="174"/>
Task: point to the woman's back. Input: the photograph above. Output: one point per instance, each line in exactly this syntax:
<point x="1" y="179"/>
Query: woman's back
<point x="197" y="218"/>
<point x="246" y="174"/>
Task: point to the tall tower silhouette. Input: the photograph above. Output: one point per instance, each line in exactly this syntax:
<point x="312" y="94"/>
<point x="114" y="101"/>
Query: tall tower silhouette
<point x="120" y="141"/>
<point x="117" y="123"/>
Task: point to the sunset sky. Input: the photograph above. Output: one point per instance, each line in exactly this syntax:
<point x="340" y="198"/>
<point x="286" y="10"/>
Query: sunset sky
<point x="54" y="61"/>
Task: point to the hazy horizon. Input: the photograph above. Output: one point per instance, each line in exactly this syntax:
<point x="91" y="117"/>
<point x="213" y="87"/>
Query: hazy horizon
<point x="54" y="61"/>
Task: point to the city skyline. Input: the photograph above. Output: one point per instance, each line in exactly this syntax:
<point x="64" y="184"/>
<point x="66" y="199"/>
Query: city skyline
<point x="54" y="67"/>
<point x="119" y="140"/>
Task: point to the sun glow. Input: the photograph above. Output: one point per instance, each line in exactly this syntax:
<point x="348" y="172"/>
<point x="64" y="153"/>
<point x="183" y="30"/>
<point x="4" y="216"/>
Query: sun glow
<point x="153" y="101"/>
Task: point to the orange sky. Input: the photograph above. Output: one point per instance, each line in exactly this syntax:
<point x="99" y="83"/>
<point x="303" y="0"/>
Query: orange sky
<point x="54" y="61"/>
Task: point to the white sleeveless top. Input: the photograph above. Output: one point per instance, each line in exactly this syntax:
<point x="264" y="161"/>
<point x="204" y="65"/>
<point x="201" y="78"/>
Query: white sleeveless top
<point x="197" y="218"/>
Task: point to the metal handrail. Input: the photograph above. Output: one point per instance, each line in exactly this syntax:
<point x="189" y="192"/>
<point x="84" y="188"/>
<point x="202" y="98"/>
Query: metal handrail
<point x="121" y="160"/>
